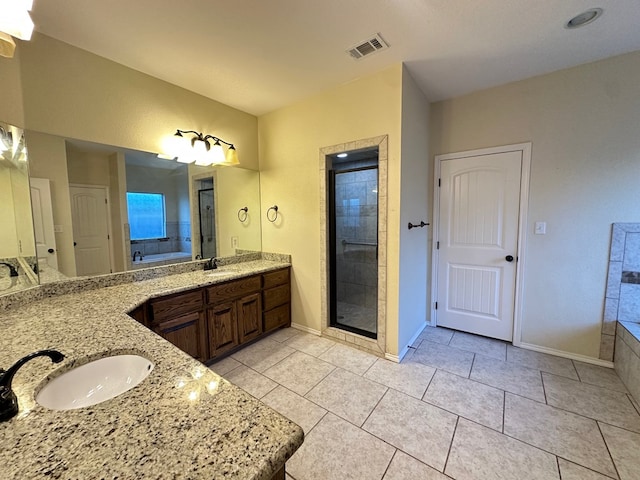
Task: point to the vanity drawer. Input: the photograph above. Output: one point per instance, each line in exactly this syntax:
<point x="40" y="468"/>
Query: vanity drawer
<point x="175" y="305"/>
<point x="272" y="279"/>
<point x="276" y="296"/>
<point x="277" y="317"/>
<point x="234" y="289"/>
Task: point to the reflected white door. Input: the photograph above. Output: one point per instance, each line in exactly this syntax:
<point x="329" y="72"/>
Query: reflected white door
<point x="478" y="234"/>
<point x="43" y="222"/>
<point x="90" y="216"/>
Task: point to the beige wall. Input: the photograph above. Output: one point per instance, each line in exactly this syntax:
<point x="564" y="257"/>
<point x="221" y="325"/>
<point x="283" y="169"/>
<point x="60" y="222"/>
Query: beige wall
<point x="8" y="234"/>
<point x="290" y="140"/>
<point x="11" y="109"/>
<point x="237" y="188"/>
<point x="415" y="192"/>
<point x="48" y="159"/>
<point x="72" y="93"/>
<point x="583" y="123"/>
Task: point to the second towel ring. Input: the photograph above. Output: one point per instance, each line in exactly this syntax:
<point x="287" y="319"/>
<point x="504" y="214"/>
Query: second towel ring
<point x="274" y="216"/>
<point x="242" y="214"/>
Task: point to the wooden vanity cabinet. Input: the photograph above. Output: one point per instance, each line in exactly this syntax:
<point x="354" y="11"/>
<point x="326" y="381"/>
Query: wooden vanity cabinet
<point x="180" y="319"/>
<point x="211" y="321"/>
<point x="234" y="311"/>
<point x="276" y="299"/>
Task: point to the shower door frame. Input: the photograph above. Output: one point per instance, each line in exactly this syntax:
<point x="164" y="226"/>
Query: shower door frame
<point x="379" y="345"/>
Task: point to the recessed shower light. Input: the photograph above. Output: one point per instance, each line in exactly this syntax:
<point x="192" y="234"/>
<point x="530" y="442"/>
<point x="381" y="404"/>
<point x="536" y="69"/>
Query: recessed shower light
<point x="342" y="155"/>
<point x="585" y="18"/>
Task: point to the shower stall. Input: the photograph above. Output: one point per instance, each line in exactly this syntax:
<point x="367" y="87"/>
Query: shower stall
<point x="353" y="245"/>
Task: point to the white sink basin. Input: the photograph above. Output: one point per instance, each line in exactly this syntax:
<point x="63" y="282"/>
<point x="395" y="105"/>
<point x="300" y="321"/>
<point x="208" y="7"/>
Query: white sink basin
<point x="94" y="382"/>
<point x="218" y="273"/>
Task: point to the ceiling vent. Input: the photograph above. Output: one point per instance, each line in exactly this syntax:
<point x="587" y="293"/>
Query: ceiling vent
<point x="363" y="49"/>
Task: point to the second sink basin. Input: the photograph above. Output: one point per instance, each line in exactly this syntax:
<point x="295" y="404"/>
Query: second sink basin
<point x="218" y="273"/>
<point x="94" y="382"/>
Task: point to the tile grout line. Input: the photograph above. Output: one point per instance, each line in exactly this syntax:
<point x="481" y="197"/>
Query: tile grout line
<point x="615" y="467"/>
<point x="455" y="429"/>
<point x="373" y="410"/>
<point x="504" y="409"/>
<point x="390" y="462"/>
<point x="544" y="390"/>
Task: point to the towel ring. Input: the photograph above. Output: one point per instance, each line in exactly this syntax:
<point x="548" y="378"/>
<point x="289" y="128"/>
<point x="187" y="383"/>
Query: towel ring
<point x="243" y="213"/>
<point x="273" y="217"/>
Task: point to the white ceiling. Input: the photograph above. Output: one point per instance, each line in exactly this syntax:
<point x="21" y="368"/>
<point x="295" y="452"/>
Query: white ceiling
<point x="259" y="55"/>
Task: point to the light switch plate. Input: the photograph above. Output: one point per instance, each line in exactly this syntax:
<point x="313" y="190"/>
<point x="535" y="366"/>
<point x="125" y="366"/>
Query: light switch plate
<point x="540" y="228"/>
<point x="234" y="242"/>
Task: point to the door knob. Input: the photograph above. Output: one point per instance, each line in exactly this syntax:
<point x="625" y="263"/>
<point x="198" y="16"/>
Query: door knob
<point x="509" y="258"/>
<point x="51" y="250"/>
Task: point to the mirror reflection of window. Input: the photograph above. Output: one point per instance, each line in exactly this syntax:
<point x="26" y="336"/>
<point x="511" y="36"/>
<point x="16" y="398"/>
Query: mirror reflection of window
<point x="147" y="217"/>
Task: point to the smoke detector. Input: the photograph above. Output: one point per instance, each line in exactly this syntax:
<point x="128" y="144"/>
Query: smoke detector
<point x="368" y="47"/>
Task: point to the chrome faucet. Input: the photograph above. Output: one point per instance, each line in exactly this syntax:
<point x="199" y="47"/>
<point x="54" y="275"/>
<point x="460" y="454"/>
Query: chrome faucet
<point x="137" y="252"/>
<point x="13" y="271"/>
<point x="211" y="264"/>
<point x="8" y="400"/>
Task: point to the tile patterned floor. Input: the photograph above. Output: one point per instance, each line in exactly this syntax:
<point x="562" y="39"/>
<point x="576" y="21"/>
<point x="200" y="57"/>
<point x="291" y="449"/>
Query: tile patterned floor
<point x="459" y="406"/>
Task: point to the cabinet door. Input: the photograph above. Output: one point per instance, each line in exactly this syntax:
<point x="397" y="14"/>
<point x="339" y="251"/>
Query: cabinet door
<point x="223" y="332"/>
<point x="249" y="310"/>
<point x="188" y="333"/>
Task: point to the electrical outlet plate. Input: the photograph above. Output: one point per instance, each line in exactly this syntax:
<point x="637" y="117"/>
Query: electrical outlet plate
<point x="234" y="242"/>
<point x="540" y="228"/>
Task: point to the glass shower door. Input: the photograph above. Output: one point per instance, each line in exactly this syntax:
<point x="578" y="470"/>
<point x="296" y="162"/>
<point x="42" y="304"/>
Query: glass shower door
<point x="354" y="249"/>
<point x="207" y="223"/>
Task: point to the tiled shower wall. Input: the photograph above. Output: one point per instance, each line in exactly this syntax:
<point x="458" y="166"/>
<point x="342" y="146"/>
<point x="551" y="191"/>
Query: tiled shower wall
<point x="357" y="237"/>
<point x="622" y="302"/>
<point x="178" y="240"/>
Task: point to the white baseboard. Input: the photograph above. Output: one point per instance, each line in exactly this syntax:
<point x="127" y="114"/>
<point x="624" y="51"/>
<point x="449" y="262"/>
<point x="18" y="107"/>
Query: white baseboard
<point x="398" y="358"/>
<point x="393" y="358"/>
<point x="304" y="328"/>
<point x="572" y="356"/>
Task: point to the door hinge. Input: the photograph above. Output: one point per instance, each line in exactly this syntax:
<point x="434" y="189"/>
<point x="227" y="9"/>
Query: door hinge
<point x="438" y="245"/>
<point x="439" y="182"/>
<point x="108" y="237"/>
<point x="435" y="306"/>
<point x="105" y="201"/>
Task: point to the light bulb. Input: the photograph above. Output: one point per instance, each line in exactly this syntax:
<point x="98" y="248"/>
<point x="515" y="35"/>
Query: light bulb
<point x="232" y="156"/>
<point x="15" y="21"/>
<point x="217" y="153"/>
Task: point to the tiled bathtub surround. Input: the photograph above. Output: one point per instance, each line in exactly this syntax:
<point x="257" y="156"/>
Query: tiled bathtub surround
<point x="627" y="359"/>
<point x="178" y="239"/>
<point x="622" y="302"/>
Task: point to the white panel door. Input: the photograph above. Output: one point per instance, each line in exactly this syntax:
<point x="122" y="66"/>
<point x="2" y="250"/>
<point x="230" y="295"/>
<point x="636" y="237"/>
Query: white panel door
<point x="478" y="234"/>
<point x="89" y="212"/>
<point x="43" y="222"/>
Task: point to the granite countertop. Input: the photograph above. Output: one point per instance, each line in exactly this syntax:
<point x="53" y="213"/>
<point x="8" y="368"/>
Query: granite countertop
<point x="152" y="431"/>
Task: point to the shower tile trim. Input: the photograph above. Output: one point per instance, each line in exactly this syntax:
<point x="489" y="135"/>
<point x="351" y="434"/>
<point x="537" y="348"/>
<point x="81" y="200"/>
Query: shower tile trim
<point x="617" y="280"/>
<point x="377" y="347"/>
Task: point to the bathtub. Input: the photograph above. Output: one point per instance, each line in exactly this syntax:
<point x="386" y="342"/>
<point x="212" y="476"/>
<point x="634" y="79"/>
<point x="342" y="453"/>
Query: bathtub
<point x="158" y="259"/>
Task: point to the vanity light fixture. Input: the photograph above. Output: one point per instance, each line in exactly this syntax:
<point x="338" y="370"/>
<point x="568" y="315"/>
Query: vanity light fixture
<point x="15" y="21"/>
<point x="202" y="149"/>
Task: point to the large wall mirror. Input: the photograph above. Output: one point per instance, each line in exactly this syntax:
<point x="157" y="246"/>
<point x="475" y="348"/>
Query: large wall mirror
<point x="17" y="247"/>
<point x="102" y="209"/>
